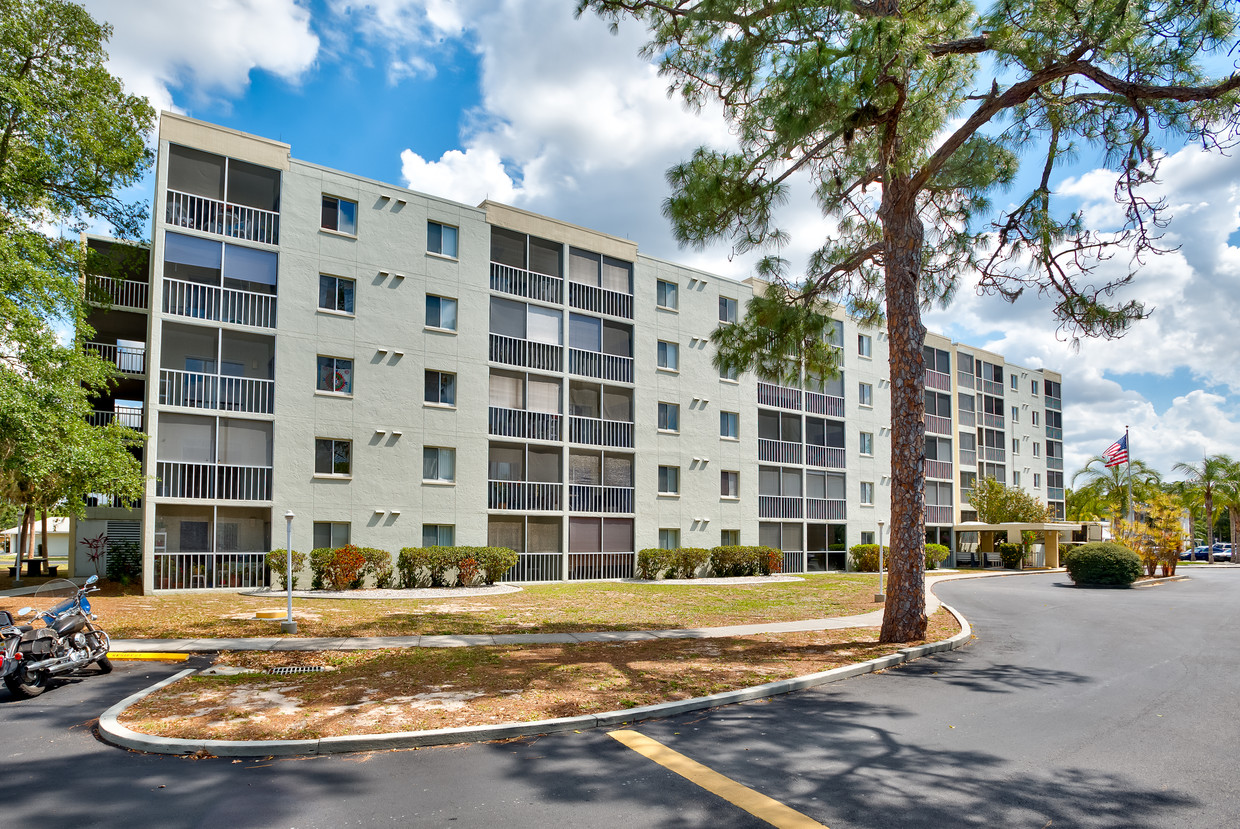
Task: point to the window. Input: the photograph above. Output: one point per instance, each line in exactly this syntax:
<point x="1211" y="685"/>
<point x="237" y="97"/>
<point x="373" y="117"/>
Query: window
<point x="441" y="239"/>
<point x="1015" y="383"/>
<point x="729" y="425"/>
<point x="867" y="492"/>
<point x="669" y="539"/>
<point x="834" y="333"/>
<point x="669" y="480"/>
<point x="438" y="535"/>
<point x="729" y="484"/>
<point x="1015" y="478"/>
<point x="669" y="417"/>
<point x="728" y="374"/>
<point x="330" y="534"/>
<point x="339" y="215"/>
<point x="1037" y="481"/>
<point x="1037" y="449"/>
<point x="1016" y="414"/>
<point x="1015" y="446"/>
<point x="730" y="538"/>
<point x="438" y="464"/>
<point x="727" y="312"/>
<point x="669" y="356"/>
<point x="440" y="388"/>
<point x="335" y="375"/>
<point x="867" y="443"/>
<point x="336" y="294"/>
<point x="1033" y="387"/>
<point x="332" y="457"/>
<point x="1033" y="417"/>
<point x="864" y="345"/>
<point x="867" y="537"/>
<point x="865" y="394"/>
<point x="666" y="295"/>
<point x="440" y="312"/>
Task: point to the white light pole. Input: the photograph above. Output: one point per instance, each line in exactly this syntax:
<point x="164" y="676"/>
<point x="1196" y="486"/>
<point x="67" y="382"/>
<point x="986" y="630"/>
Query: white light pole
<point x="288" y="625"/>
<point x="880" y="596"/>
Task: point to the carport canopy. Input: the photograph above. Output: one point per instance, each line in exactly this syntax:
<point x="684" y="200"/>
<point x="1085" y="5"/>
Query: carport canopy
<point x="1049" y="531"/>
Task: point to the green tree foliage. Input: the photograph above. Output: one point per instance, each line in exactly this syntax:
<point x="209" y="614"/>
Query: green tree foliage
<point x="1109" y="486"/>
<point x="1215" y="475"/>
<point x="908" y="117"/>
<point x="998" y="503"/>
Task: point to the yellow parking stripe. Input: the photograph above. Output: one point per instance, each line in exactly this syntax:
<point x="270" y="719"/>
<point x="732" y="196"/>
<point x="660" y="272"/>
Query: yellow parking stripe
<point x="149" y="657"/>
<point x="756" y="803"/>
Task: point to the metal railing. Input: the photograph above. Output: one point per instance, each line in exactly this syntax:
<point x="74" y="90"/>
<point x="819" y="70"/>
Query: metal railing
<point x="582" y="566"/>
<point x="215" y="216"/>
<point x="939" y="515"/>
<point x="201" y="571"/>
<point x="520" y="423"/>
<point x="227" y="482"/>
<point x="526" y="353"/>
<point x="824" y="404"/>
<point x="993" y="453"/>
<point x="826" y="509"/>
<point x="600" y="365"/>
<point x="938" y="425"/>
<point x="244" y="483"/>
<point x="590" y="498"/>
<point x="536" y="567"/>
<point x="1054" y="433"/>
<point x="130" y="416"/>
<point x="938" y="380"/>
<point x="594" y="431"/>
<point x="780" y="397"/>
<point x="211" y="302"/>
<point x="968" y="457"/>
<point x="941" y="470"/>
<point x="520" y="282"/>
<point x="779" y="451"/>
<point x="964" y="379"/>
<point x="967" y="420"/>
<point x="992" y="421"/>
<point x="111" y="501"/>
<point x="794" y="561"/>
<point x="201" y="390"/>
<point x="524" y="495"/>
<point x="992" y="388"/>
<point x="831" y="457"/>
<point x="1054" y="403"/>
<point x="123" y="293"/>
<point x="1054" y="463"/>
<point x="600" y="300"/>
<point x="127" y="358"/>
<point x="1054" y="493"/>
<point x="779" y="506"/>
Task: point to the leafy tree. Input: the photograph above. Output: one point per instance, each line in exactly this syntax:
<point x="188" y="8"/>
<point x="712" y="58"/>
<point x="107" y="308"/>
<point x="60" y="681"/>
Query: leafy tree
<point x="1110" y="485"/>
<point x="1085" y="505"/>
<point x="998" y="503"/>
<point x="1206" y="479"/>
<point x="907" y="118"/>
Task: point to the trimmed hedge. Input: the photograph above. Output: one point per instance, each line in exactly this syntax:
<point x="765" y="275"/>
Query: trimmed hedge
<point x="688" y="560"/>
<point x="448" y="566"/>
<point x="653" y="562"/>
<point x="1012" y="555"/>
<point x="337" y="569"/>
<point x="1103" y="562"/>
<point x="936" y="554"/>
<point x="863" y="558"/>
<point x="731" y="561"/>
<point x="276" y="561"/>
<point x="379" y="567"/>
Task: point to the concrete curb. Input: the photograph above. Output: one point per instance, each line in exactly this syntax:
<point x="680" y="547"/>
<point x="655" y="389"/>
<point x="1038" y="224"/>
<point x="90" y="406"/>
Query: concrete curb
<point x="113" y="732"/>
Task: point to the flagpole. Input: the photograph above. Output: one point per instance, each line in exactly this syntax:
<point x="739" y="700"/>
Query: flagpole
<point x="1131" y="508"/>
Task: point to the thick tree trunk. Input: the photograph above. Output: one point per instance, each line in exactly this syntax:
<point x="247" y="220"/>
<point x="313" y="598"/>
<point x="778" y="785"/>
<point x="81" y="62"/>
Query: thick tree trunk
<point x="23" y="540"/>
<point x="904" y="616"/>
<point x="45" y="550"/>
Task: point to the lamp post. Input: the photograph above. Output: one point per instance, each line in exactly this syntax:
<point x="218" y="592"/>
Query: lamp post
<point x="288" y="625"/>
<point x="880" y="596"/>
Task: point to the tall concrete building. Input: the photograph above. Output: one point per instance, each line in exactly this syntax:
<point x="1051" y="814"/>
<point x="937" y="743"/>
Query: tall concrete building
<point x="401" y="370"/>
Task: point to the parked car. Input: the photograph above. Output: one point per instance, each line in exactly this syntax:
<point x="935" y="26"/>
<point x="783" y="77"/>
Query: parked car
<point x="1196" y="554"/>
<point x="1222" y="551"/>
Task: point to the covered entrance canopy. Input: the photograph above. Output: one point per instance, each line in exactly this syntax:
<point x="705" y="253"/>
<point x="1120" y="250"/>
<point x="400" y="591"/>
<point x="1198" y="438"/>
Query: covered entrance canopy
<point x="1049" y="532"/>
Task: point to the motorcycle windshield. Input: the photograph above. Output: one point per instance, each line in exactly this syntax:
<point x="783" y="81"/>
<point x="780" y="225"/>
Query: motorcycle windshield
<point x="55" y="597"/>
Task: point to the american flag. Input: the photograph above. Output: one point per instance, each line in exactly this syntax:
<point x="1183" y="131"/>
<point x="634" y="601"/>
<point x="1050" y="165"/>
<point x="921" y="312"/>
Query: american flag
<point x="1117" y="452"/>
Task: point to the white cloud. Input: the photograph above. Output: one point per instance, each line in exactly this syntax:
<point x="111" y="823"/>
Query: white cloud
<point x="469" y="176"/>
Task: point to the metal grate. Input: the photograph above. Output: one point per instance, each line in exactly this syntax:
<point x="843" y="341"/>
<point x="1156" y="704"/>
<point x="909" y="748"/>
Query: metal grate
<point x="284" y="670"/>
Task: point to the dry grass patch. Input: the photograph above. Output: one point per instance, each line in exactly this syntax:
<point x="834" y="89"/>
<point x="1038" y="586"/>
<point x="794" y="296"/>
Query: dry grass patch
<point x="425" y="688"/>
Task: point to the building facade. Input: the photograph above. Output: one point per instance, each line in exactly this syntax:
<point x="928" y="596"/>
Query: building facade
<point x="402" y="370"/>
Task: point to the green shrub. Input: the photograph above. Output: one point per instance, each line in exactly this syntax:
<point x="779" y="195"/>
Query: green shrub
<point x="124" y="562"/>
<point x="413" y="566"/>
<point x="495" y="561"/>
<point x="687" y="560"/>
<point x="936" y="554"/>
<point x="320" y="559"/>
<point x="1012" y="555"/>
<point x="278" y="559"/>
<point x="863" y="558"/>
<point x="770" y="561"/>
<point x="378" y="567"/>
<point x="731" y="561"/>
<point x="343" y="567"/>
<point x="653" y="562"/>
<point x="1103" y="562"/>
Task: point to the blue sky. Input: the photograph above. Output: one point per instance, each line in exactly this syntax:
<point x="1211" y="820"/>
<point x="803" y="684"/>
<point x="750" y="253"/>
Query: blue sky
<point x="518" y="101"/>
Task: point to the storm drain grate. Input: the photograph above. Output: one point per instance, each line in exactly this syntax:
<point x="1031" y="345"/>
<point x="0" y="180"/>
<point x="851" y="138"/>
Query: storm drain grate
<point x="297" y="669"/>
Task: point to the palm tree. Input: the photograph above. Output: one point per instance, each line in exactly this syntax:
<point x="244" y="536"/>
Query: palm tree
<point x="1229" y="494"/>
<point x="1110" y="485"/>
<point x="1210" y="477"/>
<point x="1084" y="504"/>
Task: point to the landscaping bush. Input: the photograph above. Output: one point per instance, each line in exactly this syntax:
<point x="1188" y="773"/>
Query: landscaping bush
<point x="653" y="562"/>
<point x="446" y="566"/>
<point x="936" y="554"/>
<point x="1103" y="562"/>
<point x="278" y="559"/>
<point x="124" y="562"/>
<point x="687" y="560"/>
<point x="320" y="558"/>
<point x="413" y="566"/>
<point x="495" y="561"/>
<point x="467" y="570"/>
<point x="864" y="557"/>
<point x="378" y="567"/>
<point x="732" y="561"/>
<point x="343" y="566"/>
<point x="1012" y="555"/>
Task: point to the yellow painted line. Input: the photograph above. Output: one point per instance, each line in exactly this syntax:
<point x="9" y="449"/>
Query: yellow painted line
<point x="756" y="803"/>
<point x="149" y="657"/>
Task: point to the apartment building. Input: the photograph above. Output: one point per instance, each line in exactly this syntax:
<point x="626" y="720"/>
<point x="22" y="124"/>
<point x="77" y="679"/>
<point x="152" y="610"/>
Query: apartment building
<point x="401" y="370"/>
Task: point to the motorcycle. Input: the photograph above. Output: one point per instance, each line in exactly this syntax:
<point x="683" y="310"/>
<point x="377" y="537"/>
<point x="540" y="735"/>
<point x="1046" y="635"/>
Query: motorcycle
<point x="31" y="656"/>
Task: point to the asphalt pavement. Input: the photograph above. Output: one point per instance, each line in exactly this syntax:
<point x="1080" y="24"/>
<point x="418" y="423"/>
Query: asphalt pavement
<point x="1097" y="708"/>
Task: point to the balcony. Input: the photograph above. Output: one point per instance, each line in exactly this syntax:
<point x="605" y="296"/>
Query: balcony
<point x="830" y="457"/>
<point x="198" y="390"/>
<point x="992" y="388"/>
<point x="1054" y="463"/>
<point x="223" y="218"/>
<point x="519" y="423"/>
<point x="130" y="416"/>
<point x="1054" y="493"/>
<point x="593" y="431"/>
<point x="938" y="380"/>
<point x="993" y="453"/>
<point x="104" y="500"/>
<point x="938" y="425"/>
<point x="600" y="300"/>
<point x="939" y="515"/>
<point x="968" y="457"/>
<point x="967" y="420"/>
<point x="523" y="495"/>
<point x="778" y="451"/>
<point x="610" y="499"/>
<point x="122" y="293"/>
<point x="211" y="302"/>
<point x="826" y="509"/>
<point x="780" y="397"/>
<point x="603" y="366"/>
<point x="779" y="506"/>
<point x="992" y="421"/>
<point x="206" y="481"/>
<point x="526" y="353"/>
<point x="1054" y="403"/>
<point x="939" y="470"/>
<point x="1054" y="433"/>
<point x="518" y="282"/>
<point x="964" y="380"/>
<point x="824" y="404"/>
<point x="129" y="359"/>
<point x="202" y="571"/>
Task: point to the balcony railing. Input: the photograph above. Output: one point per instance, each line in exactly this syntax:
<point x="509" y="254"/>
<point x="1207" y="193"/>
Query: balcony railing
<point x="993" y="453"/>
<point x="127" y="358"/>
<point x="938" y="380"/>
<point x="603" y="366"/>
<point x="1054" y="433"/>
<point x="968" y="457"/>
<point x="992" y="421"/>
<point x="600" y="300"/>
<point x="123" y="293"/>
<point x="964" y="380"/>
<point x="589" y="498"/>
<point x="1054" y="463"/>
<point x="519" y="423"/>
<point x="967" y="420"/>
<point x="824" y="404"/>
<point x="523" y="495"/>
<point x="519" y="282"/>
<point x="583" y="566"/>
<point x="526" y="353"/>
<point x="214" y="216"/>
<point x="536" y="567"/>
<point x="779" y="451"/>
<point x="938" y="425"/>
<point x="1054" y="493"/>
<point x="780" y="397"/>
<point x="199" y="390"/>
<point x="992" y="388"/>
<point x="779" y="506"/>
<point x="939" y="515"/>
<point x="225" y="482"/>
<point x="826" y="509"/>
<point x="199" y="571"/>
<point x="594" y="431"/>
<point x="211" y="302"/>
<point x="831" y="457"/>
<point x="941" y="470"/>
<point x="1054" y="403"/>
<point x="130" y="416"/>
<point x="112" y="501"/>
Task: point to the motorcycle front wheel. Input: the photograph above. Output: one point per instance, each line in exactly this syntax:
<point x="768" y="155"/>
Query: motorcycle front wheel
<point x="104" y="664"/>
<point x="24" y="686"/>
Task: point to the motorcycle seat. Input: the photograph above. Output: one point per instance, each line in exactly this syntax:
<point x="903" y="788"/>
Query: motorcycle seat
<point x="25" y="628"/>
